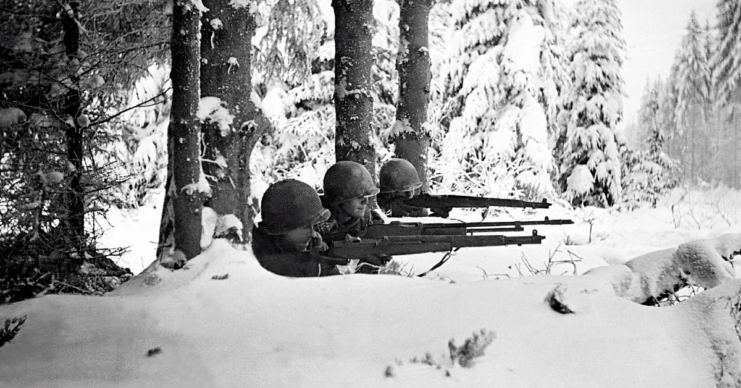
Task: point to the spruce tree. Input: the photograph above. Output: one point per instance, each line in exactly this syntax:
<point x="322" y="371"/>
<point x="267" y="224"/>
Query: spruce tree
<point x="500" y="93"/>
<point x="353" y="82"/>
<point x="590" y="169"/>
<point x="693" y="84"/>
<point x="303" y="113"/>
<point x="411" y="131"/>
<point x="231" y="130"/>
<point x="726" y="64"/>
<point x="184" y="132"/>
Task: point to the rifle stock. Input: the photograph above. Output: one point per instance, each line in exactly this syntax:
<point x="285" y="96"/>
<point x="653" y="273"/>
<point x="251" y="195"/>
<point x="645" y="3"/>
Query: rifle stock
<point x="448" y="201"/>
<point x="409" y="245"/>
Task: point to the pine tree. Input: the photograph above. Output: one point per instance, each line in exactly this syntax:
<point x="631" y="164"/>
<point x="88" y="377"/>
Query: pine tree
<point x="693" y="84"/>
<point x="647" y="174"/>
<point x="500" y="93"/>
<point x="411" y="132"/>
<point x="675" y="138"/>
<point x="185" y="127"/>
<point x="64" y="71"/>
<point x="353" y="82"/>
<point x="303" y="114"/>
<point x="726" y="64"/>
<point x="590" y="161"/>
<point x="230" y="132"/>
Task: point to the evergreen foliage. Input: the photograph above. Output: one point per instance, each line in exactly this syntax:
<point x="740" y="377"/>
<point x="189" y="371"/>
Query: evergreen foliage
<point x="648" y="174"/>
<point x="303" y="114"/>
<point x="588" y="150"/>
<point x="499" y="93"/>
<point x="697" y="111"/>
<point x="64" y="70"/>
<point x="726" y="64"/>
<point x="726" y="67"/>
<point x="693" y="92"/>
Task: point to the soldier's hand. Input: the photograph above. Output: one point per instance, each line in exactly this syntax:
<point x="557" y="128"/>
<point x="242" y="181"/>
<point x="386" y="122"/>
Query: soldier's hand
<point x="400" y="209"/>
<point x="443" y="212"/>
<point x="317" y="245"/>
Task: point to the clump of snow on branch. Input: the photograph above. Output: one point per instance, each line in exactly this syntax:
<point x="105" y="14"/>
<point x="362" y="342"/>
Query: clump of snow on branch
<point x="214" y="110"/>
<point x="201" y="186"/>
<point x="198" y="4"/>
<point x="251" y="4"/>
<point x="216" y="24"/>
<point x="399" y="128"/>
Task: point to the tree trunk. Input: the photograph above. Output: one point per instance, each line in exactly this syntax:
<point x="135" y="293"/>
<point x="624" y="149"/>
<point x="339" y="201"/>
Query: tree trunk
<point x="353" y="99"/>
<point x="413" y="64"/>
<point x="185" y="128"/>
<point x="73" y="107"/>
<point x="226" y="35"/>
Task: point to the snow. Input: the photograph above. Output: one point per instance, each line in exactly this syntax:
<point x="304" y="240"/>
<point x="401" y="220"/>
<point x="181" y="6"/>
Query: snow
<point x="522" y="51"/>
<point x="580" y="180"/>
<point x="224" y="321"/>
<point x="216" y="23"/>
<point x="213" y="109"/>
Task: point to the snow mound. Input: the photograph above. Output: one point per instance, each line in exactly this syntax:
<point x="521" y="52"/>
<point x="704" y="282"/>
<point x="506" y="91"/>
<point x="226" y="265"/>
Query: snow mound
<point x="224" y="321"/>
<point x="704" y="263"/>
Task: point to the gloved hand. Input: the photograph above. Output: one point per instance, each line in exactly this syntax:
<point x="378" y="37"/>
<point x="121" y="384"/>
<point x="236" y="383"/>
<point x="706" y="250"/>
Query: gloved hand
<point x="317" y="245"/>
<point x="443" y="212"/>
<point x="400" y="209"/>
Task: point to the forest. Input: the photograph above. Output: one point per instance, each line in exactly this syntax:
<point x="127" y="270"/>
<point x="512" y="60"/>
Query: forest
<point x="186" y="113"/>
<point x="105" y="102"/>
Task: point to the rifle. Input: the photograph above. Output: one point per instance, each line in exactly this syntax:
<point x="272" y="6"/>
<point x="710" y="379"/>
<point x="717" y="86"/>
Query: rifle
<point x="406" y="238"/>
<point x="359" y="248"/>
<point x="396" y="228"/>
<point x="448" y="201"/>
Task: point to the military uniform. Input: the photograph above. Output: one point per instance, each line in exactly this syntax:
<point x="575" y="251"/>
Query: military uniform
<point x="273" y="257"/>
<point x="287" y="206"/>
<point x="400" y="181"/>
<point x="346" y="181"/>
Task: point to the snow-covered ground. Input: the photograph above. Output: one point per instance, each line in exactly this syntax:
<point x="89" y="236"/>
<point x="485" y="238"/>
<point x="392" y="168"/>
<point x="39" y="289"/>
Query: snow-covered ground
<point x="198" y="327"/>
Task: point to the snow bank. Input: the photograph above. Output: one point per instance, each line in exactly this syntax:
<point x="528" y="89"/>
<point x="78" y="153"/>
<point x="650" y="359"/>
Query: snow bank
<point x="225" y="322"/>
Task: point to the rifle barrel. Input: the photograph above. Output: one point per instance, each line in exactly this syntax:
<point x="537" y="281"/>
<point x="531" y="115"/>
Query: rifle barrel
<point x="397" y="228"/>
<point x="443" y="201"/>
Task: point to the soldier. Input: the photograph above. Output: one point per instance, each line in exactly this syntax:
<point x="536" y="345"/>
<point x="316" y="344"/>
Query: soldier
<point x="399" y="181"/>
<point x="286" y="242"/>
<point x="348" y="193"/>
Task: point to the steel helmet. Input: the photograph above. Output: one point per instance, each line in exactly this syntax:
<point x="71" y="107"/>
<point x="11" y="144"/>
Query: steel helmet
<point x="346" y="180"/>
<point x="290" y="204"/>
<point x="399" y="175"/>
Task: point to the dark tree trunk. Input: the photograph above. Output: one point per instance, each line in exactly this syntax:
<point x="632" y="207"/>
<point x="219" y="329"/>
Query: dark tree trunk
<point x="73" y="107"/>
<point x="185" y="128"/>
<point x="413" y="64"/>
<point x="352" y="97"/>
<point x="225" y="73"/>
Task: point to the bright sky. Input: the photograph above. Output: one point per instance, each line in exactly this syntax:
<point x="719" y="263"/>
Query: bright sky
<point x="653" y="31"/>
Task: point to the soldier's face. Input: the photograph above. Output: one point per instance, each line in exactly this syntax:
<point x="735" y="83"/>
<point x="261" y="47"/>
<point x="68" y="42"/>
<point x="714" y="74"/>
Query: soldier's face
<point x="299" y="238"/>
<point x="355" y="207"/>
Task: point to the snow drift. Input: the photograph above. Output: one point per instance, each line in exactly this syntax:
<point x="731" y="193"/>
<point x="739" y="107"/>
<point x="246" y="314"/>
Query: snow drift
<point x="224" y="321"/>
